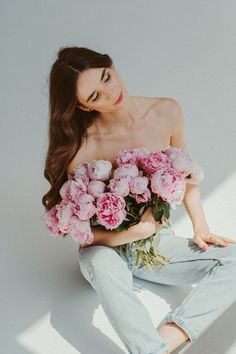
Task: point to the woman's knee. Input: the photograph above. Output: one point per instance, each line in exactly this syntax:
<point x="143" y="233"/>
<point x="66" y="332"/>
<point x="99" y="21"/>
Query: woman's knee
<point x="226" y="254"/>
<point x="103" y="262"/>
<point x="230" y="253"/>
<point x="101" y="257"/>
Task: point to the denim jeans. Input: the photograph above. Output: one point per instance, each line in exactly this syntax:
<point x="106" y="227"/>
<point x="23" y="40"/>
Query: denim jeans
<point x="111" y="276"/>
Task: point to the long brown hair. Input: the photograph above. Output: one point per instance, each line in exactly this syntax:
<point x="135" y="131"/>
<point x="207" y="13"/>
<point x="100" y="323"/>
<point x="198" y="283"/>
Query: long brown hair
<point x="68" y="123"/>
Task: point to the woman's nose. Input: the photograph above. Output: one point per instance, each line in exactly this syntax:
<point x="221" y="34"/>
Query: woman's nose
<point x="113" y="96"/>
<point x="113" y="91"/>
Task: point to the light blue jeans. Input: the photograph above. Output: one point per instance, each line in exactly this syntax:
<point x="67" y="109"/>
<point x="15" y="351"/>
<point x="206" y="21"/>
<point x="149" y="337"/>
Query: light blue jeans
<point x="213" y="270"/>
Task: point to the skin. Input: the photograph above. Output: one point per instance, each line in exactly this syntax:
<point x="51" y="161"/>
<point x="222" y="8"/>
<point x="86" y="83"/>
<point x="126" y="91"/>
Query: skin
<point x="153" y="122"/>
<point x="124" y="125"/>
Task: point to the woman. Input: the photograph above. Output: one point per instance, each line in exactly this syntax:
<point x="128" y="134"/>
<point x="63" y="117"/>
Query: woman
<point x="92" y="116"/>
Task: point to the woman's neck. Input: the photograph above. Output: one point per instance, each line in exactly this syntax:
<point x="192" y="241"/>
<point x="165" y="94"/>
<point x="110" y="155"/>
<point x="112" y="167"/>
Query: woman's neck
<point x="121" y="120"/>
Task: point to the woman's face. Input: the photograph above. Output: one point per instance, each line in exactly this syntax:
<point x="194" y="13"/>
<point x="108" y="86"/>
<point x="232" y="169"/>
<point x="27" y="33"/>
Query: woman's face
<point x="99" y="88"/>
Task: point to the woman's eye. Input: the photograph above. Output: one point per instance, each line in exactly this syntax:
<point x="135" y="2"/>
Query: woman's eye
<point x="108" y="78"/>
<point x="95" y="98"/>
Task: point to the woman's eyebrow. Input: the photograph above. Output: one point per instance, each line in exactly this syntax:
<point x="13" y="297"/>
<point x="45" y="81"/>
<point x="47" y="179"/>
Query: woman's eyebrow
<point x="102" y="76"/>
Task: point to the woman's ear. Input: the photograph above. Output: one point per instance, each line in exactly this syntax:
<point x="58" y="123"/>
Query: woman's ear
<point x="84" y="108"/>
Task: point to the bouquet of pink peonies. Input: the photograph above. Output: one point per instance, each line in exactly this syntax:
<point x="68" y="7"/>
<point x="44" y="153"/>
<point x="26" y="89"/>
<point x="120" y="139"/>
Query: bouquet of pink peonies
<point x="116" y="198"/>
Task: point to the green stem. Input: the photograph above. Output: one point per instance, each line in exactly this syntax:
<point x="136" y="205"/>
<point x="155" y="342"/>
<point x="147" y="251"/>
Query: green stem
<point x="149" y="258"/>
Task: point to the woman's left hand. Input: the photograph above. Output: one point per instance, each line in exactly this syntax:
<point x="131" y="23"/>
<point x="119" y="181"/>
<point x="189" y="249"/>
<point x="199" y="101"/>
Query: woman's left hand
<point x="201" y="238"/>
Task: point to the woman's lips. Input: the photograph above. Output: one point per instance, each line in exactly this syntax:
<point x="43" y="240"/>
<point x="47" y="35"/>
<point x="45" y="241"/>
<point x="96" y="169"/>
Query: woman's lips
<point x="120" y="98"/>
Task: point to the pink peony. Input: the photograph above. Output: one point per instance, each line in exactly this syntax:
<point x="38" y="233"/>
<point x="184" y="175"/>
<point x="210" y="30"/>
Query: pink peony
<point x="131" y="156"/>
<point x="99" y="169"/>
<point x="72" y="189"/>
<point x="81" y="170"/>
<point x="197" y="174"/>
<point x="144" y="197"/>
<point x="96" y="187"/>
<point x="110" y="210"/>
<point x="81" y="231"/>
<point x="154" y="161"/>
<point x="51" y="220"/>
<point x="120" y="185"/>
<point x="180" y="159"/>
<point x="64" y="190"/>
<point x="64" y="214"/>
<point x="85" y="179"/>
<point x="138" y="185"/>
<point x="84" y="207"/>
<point x="169" y="184"/>
<point x="126" y="170"/>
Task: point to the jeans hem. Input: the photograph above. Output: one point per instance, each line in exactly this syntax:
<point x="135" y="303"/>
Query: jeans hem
<point x="184" y="325"/>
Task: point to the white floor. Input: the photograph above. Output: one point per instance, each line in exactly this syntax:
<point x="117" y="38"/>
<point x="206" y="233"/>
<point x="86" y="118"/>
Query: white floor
<point x="47" y="306"/>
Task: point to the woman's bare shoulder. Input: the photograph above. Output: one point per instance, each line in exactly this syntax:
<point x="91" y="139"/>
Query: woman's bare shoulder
<point x="164" y="108"/>
<point x="81" y="156"/>
<point x="167" y="108"/>
<point x="160" y="106"/>
<point x="166" y="104"/>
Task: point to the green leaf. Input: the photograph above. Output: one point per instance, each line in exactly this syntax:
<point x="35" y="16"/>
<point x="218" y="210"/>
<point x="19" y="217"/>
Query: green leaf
<point x="166" y="208"/>
<point x="128" y="250"/>
<point x="121" y="251"/>
<point x="138" y="259"/>
<point x="133" y="210"/>
<point x="157" y="214"/>
<point x="141" y="211"/>
<point x="167" y="214"/>
<point x="155" y="199"/>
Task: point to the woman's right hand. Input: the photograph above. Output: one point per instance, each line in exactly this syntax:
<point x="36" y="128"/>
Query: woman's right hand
<point x="148" y="225"/>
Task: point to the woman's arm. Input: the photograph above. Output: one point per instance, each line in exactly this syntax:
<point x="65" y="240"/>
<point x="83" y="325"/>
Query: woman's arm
<point x="192" y="199"/>
<point x="144" y="229"/>
<point x="194" y="207"/>
<point x="113" y="238"/>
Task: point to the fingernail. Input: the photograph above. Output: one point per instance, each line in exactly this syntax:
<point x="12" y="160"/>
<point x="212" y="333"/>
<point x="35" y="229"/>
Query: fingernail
<point x="205" y="247"/>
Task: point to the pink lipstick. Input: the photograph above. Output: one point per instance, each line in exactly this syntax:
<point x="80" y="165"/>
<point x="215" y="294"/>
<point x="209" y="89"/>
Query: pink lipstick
<point x="120" y="98"/>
